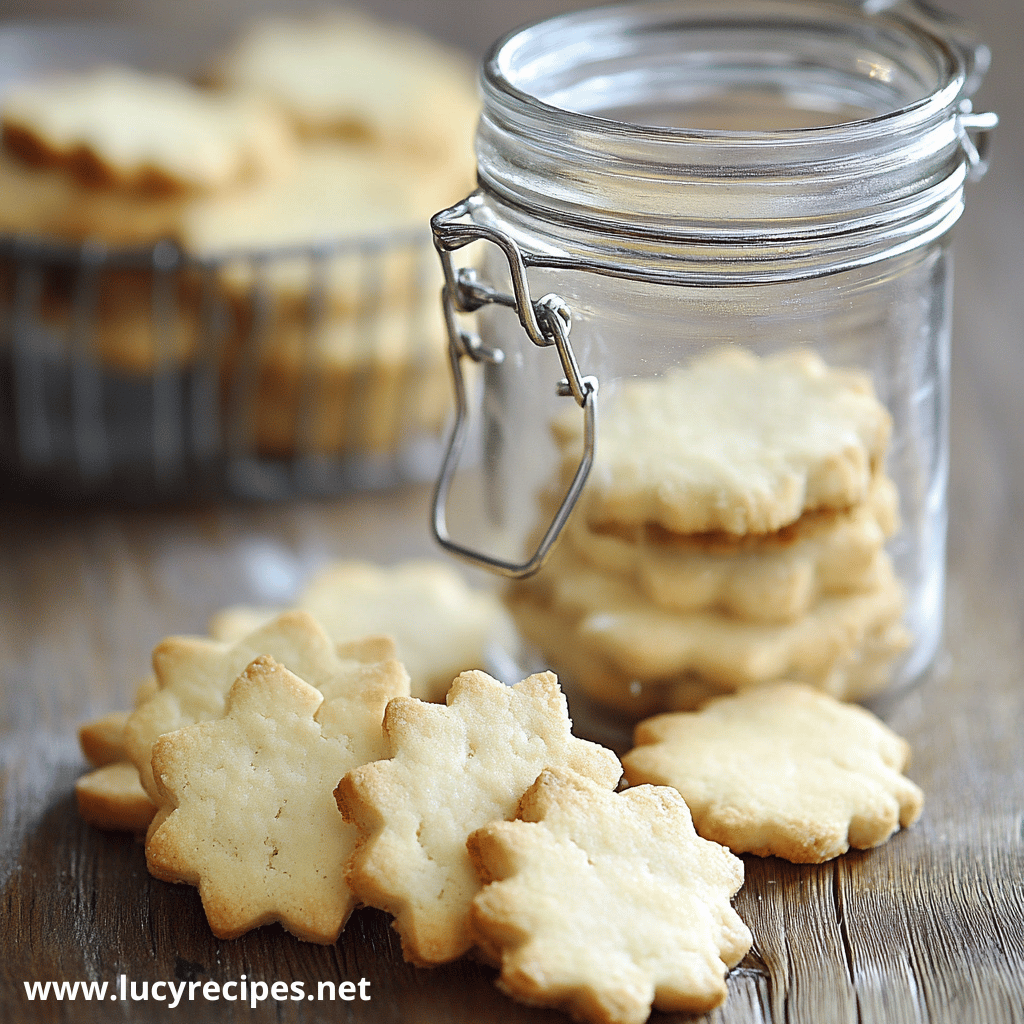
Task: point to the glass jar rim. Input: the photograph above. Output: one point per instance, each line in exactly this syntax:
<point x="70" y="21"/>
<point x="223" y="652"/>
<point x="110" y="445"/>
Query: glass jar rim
<point x="660" y="202"/>
<point x="498" y="83"/>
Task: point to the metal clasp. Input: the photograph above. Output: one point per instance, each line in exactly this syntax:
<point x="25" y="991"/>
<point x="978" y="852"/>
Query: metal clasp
<point x="547" y="322"/>
<point x="975" y="135"/>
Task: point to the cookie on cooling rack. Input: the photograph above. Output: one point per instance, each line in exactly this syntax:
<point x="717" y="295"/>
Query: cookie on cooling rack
<point x="351" y="385"/>
<point x="127" y="129"/>
<point x="334" y="194"/>
<point x="342" y="74"/>
<point x="46" y="202"/>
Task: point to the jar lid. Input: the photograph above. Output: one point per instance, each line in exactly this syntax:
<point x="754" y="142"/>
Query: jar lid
<point x="819" y="132"/>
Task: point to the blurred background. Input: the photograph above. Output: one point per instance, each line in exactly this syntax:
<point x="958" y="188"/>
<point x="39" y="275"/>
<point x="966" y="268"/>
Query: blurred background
<point x="989" y="247"/>
<point x="471" y="25"/>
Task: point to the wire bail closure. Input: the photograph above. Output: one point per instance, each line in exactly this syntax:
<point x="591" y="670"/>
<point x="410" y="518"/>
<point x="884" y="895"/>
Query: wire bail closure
<point x="975" y="135"/>
<point x="547" y="322"/>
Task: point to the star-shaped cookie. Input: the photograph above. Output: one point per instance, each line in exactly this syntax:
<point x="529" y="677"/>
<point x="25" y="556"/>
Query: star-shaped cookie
<point x="441" y="626"/>
<point x="194" y="675"/>
<point x="781" y="770"/>
<point x="775" y="577"/>
<point x="602" y="903"/>
<point x="451" y="769"/>
<point x="112" y="798"/>
<point x="612" y="617"/>
<point x="248" y="814"/>
<point x="734" y="442"/>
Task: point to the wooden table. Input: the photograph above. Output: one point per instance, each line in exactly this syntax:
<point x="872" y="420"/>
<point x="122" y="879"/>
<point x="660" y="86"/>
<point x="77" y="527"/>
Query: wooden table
<point x="930" y="927"/>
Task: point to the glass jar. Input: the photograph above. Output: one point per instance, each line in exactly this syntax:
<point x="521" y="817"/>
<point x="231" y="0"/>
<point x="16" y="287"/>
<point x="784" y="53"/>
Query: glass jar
<point x="660" y="180"/>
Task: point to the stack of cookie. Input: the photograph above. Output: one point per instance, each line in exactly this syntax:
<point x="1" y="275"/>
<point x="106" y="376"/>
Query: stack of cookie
<point x="302" y="173"/>
<point x="354" y="357"/>
<point x="732" y="533"/>
<point x="114" y="157"/>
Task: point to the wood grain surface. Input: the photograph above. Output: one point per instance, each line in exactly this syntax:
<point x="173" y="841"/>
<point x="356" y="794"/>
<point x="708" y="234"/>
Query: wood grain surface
<point x="928" y="928"/>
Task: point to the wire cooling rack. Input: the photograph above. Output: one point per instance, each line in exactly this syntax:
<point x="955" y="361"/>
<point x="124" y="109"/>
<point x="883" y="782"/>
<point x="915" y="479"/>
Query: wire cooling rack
<point x="75" y="421"/>
<point x="78" y="422"/>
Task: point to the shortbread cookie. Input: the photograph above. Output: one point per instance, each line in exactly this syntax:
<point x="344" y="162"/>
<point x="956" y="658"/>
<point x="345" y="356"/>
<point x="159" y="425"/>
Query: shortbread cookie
<point x="441" y="626"/>
<point x="868" y="670"/>
<point x="650" y="643"/>
<point x="604" y="903"/>
<point x="853" y="662"/>
<point x="731" y="653"/>
<point x="145" y="690"/>
<point x="781" y="770"/>
<point x="112" y="798"/>
<point x="342" y="74"/>
<point x="871" y="668"/>
<point x="733" y="442"/>
<point x="195" y="675"/>
<point x="774" y="577"/>
<point x="579" y="667"/>
<point x="248" y="816"/>
<point x="334" y="196"/>
<point x="239" y="620"/>
<point x="116" y="127"/>
<point x="359" y="385"/>
<point x="127" y="329"/>
<point x="102" y="739"/>
<point x="48" y="203"/>
<point x="449" y="770"/>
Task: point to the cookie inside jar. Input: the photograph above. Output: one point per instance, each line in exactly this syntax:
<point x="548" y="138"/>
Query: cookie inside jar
<point x="732" y="533"/>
